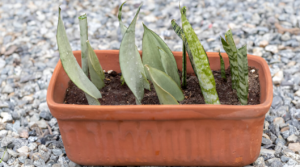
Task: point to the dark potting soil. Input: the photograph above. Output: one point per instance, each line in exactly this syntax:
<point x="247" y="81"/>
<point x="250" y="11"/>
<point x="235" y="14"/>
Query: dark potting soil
<point x="114" y="93"/>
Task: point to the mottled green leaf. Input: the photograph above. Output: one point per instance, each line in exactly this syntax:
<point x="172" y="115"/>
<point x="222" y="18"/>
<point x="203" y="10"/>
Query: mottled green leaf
<point x="222" y="65"/>
<point x="204" y="73"/>
<point x="183" y="76"/>
<point x="169" y="65"/>
<point x="131" y="63"/>
<point x="167" y="90"/>
<point x="70" y="64"/>
<point x="233" y="59"/>
<point x="83" y="38"/>
<point x="122" y="26"/>
<point x="96" y="72"/>
<point x="243" y="75"/>
<point x="180" y="33"/>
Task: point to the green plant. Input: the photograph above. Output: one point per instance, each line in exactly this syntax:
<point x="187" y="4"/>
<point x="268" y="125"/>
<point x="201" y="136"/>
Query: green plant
<point x="157" y="64"/>
<point x="238" y="67"/>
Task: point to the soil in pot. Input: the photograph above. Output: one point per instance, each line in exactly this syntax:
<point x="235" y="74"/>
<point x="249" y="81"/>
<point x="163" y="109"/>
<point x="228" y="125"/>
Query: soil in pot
<point x="114" y="93"/>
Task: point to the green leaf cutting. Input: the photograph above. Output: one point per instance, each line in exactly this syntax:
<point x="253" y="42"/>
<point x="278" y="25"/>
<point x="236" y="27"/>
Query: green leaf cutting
<point x="166" y="88"/>
<point x="222" y="65"/>
<point x="130" y="62"/>
<point x="83" y="38"/>
<point x="96" y="72"/>
<point x="205" y="76"/>
<point x="243" y="75"/>
<point x="70" y="64"/>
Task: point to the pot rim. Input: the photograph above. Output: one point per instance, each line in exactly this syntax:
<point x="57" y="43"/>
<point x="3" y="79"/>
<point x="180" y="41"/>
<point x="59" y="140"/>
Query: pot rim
<point x="264" y="105"/>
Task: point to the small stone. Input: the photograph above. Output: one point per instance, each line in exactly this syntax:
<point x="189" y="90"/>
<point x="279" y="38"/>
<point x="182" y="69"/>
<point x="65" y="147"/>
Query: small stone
<point x="2" y="63"/>
<point x="23" y="151"/>
<point x="297" y="93"/>
<point x="7" y="89"/>
<point x="286" y="36"/>
<point x="6" y="117"/>
<point x="53" y="157"/>
<point x="22" y="159"/>
<point x="73" y="164"/>
<point x="32" y="139"/>
<point x="277" y="102"/>
<point x="32" y="146"/>
<point x="3" y="133"/>
<point x="274" y="162"/>
<point x="12" y="153"/>
<point x="266" y="141"/>
<point x="278" y="77"/>
<point x="56" y="152"/>
<point x="23" y="133"/>
<point x="46" y="115"/>
<point x="42" y="124"/>
<point x="294" y="147"/>
<point x="259" y="162"/>
<point x="278" y="121"/>
<point x="258" y="51"/>
<point x="284" y="158"/>
<point x="56" y="165"/>
<point x="272" y="48"/>
<point x="292" y="138"/>
<point x="4" y="156"/>
<point x="292" y="162"/>
<point x="267" y="153"/>
<point x="39" y="162"/>
<point x="6" y="141"/>
<point x="2" y="125"/>
<point x="263" y="43"/>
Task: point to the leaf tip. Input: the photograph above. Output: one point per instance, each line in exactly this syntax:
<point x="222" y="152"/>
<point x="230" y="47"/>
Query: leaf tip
<point x="82" y="17"/>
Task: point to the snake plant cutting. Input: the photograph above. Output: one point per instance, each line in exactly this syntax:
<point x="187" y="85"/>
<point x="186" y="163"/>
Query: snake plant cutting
<point x="157" y="65"/>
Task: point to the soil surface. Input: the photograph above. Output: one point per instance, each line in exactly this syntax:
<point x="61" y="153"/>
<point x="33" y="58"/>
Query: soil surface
<point x="114" y="93"/>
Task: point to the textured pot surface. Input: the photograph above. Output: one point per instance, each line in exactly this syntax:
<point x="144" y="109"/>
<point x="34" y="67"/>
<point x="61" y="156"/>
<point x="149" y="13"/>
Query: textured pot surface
<point x="177" y="135"/>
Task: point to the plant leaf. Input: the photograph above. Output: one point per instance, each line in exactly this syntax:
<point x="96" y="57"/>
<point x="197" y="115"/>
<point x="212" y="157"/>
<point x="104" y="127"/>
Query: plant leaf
<point x="233" y="63"/>
<point x="123" y="30"/>
<point x="169" y="65"/>
<point x="243" y="75"/>
<point x="150" y="52"/>
<point x="205" y="76"/>
<point x="183" y="77"/>
<point x="130" y="62"/>
<point x="70" y="64"/>
<point x="166" y="88"/>
<point x="180" y="33"/>
<point x="122" y="26"/>
<point x="83" y="38"/>
<point x="231" y="60"/>
<point x="96" y="72"/>
<point x="222" y="65"/>
<point x="91" y="100"/>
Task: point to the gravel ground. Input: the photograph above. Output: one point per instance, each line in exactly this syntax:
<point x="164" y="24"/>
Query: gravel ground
<point x="28" y="55"/>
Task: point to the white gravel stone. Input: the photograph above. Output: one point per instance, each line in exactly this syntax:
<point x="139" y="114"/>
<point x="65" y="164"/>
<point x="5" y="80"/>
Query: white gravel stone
<point x="6" y="117"/>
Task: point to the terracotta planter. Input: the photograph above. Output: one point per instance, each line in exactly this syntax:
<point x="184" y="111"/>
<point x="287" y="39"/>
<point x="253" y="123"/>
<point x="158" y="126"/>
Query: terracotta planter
<point x="177" y="135"/>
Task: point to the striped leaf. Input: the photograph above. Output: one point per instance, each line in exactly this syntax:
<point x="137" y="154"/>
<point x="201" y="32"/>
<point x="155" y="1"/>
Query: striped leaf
<point x="180" y="33"/>
<point x="96" y="72"/>
<point x="183" y="76"/>
<point x="131" y="63"/>
<point x="83" y="38"/>
<point x="243" y="75"/>
<point x="205" y="76"/>
<point x="169" y="65"/>
<point x="166" y="88"/>
<point x="71" y="66"/>
<point x="222" y="65"/>
<point x="123" y="30"/>
<point x="233" y="58"/>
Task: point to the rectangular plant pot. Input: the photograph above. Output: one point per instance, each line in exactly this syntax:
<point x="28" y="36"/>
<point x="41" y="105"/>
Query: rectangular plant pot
<point x="166" y="135"/>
